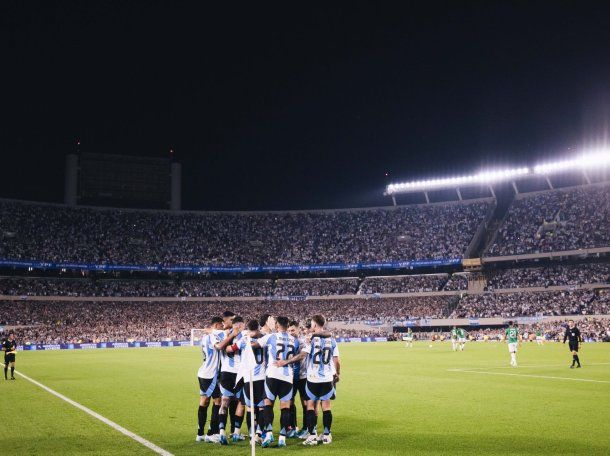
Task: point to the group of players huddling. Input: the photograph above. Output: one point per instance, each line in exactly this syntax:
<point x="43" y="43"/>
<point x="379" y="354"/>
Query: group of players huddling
<point x="280" y="359"/>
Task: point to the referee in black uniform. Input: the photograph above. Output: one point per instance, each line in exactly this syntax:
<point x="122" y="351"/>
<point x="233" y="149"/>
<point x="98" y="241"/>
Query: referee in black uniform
<point x="573" y="336"/>
<point x="9" y="347"/>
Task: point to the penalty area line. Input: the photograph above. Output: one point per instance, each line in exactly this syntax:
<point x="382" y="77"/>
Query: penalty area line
<point x="96" y="415"/>
<point x="529" y="375"/>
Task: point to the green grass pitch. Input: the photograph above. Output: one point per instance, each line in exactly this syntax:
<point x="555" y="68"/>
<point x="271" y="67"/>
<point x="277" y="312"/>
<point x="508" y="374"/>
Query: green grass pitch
<point x="391" y="400"/>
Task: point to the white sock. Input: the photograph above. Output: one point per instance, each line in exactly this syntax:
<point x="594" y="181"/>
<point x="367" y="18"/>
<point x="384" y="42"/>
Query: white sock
<point x="513" y="358"/>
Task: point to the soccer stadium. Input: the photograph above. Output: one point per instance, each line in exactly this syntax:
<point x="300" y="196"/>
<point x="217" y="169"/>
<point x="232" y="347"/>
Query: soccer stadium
<point x="465" y="313"/>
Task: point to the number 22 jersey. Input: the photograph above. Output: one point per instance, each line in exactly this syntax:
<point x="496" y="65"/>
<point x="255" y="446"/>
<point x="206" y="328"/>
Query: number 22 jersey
<point x="280" y="346"/>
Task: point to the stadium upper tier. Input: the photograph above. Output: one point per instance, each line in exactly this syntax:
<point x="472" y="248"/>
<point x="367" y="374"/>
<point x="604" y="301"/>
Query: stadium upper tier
<point x="55" y="233"/>
<point x="557" y="275"/>
<point x="554" y="221"/>
<point x="536" y="223"/>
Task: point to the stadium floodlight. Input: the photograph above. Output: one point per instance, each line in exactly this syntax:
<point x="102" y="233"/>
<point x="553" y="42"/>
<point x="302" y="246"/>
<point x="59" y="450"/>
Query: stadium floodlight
<point x="585" y="161"/>
<point x="484" y="177"/>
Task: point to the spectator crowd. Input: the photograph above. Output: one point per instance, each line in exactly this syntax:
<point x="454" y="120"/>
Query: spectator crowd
<point x="75" y="321"/>
<point x="510" y="305"/>
<point x="55" y="233"/>
<point x="577" y="274"/>
<point x="404" y="284"/>
<point x="556" y="220"/>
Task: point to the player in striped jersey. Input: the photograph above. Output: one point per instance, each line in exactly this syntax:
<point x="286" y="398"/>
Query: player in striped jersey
<point x="323" y="370"/>
<point x="280" y="346"/>
<point x="207" y="375"/>
<point x="229" y="387"/>
<point x="257" y="372"/>
<point x="298" y="385"/>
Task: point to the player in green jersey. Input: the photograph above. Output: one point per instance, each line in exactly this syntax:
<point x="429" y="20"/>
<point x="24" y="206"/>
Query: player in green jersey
<point x="539" y="336"/>
<point x="461" y="334"/>
<point x="512" y="338"/>
<point x="409" y="338"/>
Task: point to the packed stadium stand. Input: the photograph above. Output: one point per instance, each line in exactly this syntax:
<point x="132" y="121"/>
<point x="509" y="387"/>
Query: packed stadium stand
<point x="74" y="304"/>
<point x="61" y="234"/>
<point x="555" y="275"/>
<point x="555" y="220"/>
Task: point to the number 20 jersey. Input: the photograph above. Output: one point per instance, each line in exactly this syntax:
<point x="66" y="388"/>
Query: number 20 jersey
<point x="320" y="364"/>
<point x="280" y="346"/>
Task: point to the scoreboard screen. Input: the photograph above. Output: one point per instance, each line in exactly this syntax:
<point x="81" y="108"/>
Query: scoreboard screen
<point x="124" y="181"/>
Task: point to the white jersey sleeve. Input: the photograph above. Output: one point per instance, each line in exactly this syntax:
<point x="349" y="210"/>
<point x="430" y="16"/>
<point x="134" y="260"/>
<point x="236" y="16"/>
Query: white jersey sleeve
<point x="229" y="362"/>
<point x="303" y="364"/>
<point x="211" y="355"/>
<point x="320" y="359"/>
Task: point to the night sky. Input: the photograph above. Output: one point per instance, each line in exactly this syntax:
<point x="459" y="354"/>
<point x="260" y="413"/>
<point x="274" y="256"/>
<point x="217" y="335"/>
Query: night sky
<point x="298" y="105"/>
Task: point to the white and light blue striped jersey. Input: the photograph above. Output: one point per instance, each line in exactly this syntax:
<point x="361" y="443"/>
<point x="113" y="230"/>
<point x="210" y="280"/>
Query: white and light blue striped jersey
<point x="211" y="356"/>
<point x="229" y="362"/>
<point x="280" y="346"/>
<point x="257" y="359"/>
<point x="320" y="362"/>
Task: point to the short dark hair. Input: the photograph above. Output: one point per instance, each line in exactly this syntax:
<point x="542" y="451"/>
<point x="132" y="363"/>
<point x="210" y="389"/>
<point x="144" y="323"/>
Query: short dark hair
<point x="227" y="314"/>
<point x="319" y="319"/>
<point x="253" y="325"/>
<point x="282" y="322"/>
<point x="238" y="319"/>
<point x="216" y="320"/>
<point x="263" y="320"/>
<point x="294" y="323"/>
<point x="510" y="323"/>
<point x="570" y="320"/>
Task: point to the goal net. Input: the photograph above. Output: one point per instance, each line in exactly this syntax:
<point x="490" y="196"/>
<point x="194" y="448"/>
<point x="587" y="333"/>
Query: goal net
<point x="196" y="335"/>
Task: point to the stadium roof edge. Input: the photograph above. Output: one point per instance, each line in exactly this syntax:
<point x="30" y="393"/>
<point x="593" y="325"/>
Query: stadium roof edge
<point x="261" y="212"/>
<point x="589" y="159"/>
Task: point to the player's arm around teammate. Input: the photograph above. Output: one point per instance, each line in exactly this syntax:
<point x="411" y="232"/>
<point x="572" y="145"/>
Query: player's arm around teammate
<point x="322" y="375"/>
<point x="230" y="406"/>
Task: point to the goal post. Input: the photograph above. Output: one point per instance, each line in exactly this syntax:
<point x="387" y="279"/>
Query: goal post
<point x="196" y="335"/>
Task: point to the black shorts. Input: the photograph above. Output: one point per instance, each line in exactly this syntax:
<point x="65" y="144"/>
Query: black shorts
<point x="209" y="387"/>
<point x="258" y="388"/>
<point x="573" y="346"/>
<point x="10" y="358"/>
<point x="278" y="389"/>
<point x="320" y="391"/>
<point x="228" y="388"/>
<point x="298" y="385"/>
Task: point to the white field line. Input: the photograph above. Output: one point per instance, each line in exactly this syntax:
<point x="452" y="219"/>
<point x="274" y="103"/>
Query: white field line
<point x="103" y="419"/>
<point x="476" y="370"/>
<point x="520" y="366"/>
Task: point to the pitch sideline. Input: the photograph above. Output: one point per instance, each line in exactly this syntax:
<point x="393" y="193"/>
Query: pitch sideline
<point x="96" y="415"/>
<point x="476" y="371"/>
